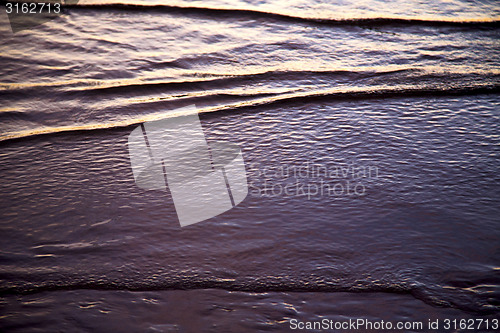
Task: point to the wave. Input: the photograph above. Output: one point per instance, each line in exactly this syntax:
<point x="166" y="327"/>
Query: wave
<point x="255" y="14"/>
<point x="193" y="283"/>
<point x="432" y="295"/>
<point x="267" y="100"/>
<point x="207" y="79"/>
<point x="230" y="80"/>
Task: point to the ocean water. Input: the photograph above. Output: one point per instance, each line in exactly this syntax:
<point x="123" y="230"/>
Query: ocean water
<point x="370" y="132"/>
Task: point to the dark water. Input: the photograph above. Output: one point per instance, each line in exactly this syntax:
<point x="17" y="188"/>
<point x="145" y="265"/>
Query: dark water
<point x="381" y="121"/>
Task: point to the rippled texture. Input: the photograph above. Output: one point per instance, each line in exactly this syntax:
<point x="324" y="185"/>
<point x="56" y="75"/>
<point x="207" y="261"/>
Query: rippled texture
<point x="411" y="92"/>
<point x="443" y="10"/>
<point x="88" y="65"/>
<point x="436" y="179"/>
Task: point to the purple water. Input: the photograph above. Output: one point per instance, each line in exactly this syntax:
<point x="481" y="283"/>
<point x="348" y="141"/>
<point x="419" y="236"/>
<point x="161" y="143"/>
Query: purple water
<point x="387" y="114"/>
